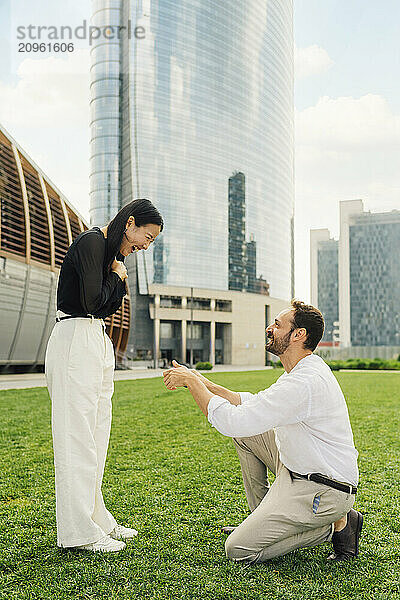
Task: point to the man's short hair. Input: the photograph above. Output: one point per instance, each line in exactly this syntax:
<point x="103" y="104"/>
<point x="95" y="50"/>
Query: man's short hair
<point x="309" y="317"/>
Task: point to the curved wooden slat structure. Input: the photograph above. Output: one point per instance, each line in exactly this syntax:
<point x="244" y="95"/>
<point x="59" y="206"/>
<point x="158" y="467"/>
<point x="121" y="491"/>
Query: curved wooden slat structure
<point x="37" y="225"/>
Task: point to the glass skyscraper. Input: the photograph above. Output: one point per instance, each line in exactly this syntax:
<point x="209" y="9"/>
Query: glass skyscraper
<point x="203" y="90"/>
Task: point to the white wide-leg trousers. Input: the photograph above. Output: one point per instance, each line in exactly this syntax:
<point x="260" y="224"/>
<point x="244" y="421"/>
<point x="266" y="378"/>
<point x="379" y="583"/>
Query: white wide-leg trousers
<point x="79" y="368"/>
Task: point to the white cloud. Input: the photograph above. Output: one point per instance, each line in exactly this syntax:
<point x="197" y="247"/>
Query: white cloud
<point x="47" y="112"/>
<point x="347" y="123"/>
<point x="346" y="148"/>
<point x="309" y="61"/>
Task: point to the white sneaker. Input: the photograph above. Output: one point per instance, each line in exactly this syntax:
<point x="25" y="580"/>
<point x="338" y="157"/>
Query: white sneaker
<point x="123" y="533"/>
<point x="104" y="544"/>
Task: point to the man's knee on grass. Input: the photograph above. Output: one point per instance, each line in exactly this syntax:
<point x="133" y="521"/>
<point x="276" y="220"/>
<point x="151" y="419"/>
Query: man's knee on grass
<point x="235" y="550"/>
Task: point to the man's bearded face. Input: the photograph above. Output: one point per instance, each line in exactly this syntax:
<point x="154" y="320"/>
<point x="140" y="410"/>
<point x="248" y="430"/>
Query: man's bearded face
<point x="279" y="332"/>
<point x="277" y="345"/>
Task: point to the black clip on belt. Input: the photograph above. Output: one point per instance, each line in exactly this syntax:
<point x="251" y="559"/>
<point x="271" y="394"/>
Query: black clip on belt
<point x="318" y="478"/>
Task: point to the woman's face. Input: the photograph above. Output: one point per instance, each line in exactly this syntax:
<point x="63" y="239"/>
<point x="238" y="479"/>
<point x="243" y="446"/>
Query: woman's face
<point x="138" y="238"/>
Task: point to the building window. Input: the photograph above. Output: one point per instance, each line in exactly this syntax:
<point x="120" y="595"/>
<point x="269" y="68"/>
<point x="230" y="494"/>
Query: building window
<point x="166" y="330"/>
<point x="170" y="302"/>
<point x="199" y="303"/>
<point x="195" y="332"/>
<point x="223" y="305"/>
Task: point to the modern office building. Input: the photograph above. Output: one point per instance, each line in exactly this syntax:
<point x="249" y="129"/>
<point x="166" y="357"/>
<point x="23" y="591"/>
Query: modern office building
<point x="370" y="296"/>
<point x="37" y="225"/>
<point x="360" y="275"/>
<point x="251" y="266"/>
<point x="203" y="90"/>
<point x="325" y="280"/>
<point x="292" y="286"/>
<point x="242" y="255"/>
<point x="237" y="257"/>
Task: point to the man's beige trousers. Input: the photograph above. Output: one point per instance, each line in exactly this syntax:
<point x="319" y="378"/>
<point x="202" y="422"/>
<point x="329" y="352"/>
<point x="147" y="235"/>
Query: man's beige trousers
<point x="293" y="513"/>
<point x="79" y="372"/>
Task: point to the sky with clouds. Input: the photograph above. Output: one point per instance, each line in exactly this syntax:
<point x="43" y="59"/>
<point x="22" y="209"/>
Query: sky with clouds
<point x="347" y="107"/>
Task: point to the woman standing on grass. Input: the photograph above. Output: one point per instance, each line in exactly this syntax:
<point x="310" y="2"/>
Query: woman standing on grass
<point x="79" y="368"/>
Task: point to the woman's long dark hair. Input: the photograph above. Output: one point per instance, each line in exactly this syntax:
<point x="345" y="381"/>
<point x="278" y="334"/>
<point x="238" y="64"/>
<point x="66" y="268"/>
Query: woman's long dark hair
<point x="143" y="211"/>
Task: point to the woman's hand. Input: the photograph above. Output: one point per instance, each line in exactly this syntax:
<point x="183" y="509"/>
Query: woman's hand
<point x="120" y="269"/>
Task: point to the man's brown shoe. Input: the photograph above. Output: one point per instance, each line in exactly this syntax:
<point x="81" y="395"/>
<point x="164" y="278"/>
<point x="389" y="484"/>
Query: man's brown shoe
<point x="227" y="529"/>
<point x="345" y="541"/>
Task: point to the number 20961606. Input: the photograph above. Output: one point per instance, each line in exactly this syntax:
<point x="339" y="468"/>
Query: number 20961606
<point x="45" y="47"/>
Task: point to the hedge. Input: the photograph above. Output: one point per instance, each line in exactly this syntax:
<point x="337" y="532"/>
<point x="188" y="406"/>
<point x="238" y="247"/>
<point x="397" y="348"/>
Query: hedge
<point x="204" y="366"/>
<point x="364" y="364"/>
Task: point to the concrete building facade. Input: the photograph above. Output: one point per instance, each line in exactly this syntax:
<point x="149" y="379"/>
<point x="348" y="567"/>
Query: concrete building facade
<point x="222" y="327"/>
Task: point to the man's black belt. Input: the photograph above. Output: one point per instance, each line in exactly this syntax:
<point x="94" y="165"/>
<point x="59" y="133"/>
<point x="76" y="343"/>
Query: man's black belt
<point x="318" y="478"/>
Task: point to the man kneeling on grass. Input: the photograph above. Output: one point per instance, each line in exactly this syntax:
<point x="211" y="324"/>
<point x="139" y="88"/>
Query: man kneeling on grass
<point x="299" y="429"/>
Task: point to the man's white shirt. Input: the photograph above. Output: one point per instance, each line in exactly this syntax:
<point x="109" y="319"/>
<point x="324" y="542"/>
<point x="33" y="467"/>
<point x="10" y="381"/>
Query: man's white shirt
<point x="308" y="412"/>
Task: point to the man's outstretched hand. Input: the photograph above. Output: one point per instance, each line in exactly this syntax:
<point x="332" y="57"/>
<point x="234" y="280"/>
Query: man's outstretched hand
<point x="178" y="376"/>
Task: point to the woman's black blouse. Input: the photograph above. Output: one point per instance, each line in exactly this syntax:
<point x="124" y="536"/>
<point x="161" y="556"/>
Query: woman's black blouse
<point x="84" y="286"/>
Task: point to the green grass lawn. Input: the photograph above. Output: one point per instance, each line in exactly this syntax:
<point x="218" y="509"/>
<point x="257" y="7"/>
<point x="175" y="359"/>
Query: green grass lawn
<point x="177" y="480"/>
